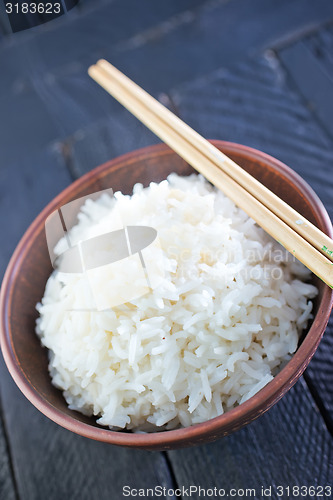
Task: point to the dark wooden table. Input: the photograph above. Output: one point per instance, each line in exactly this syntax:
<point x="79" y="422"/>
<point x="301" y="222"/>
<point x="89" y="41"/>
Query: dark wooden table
<point x="258" y="72"/>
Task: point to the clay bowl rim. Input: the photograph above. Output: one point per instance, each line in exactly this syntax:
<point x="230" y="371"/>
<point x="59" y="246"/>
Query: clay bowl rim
<point x="211" y="429"/>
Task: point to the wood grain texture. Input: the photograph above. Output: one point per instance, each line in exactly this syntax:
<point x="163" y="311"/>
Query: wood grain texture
<point x="7" y="481"/>
<point x="18" y="114"/>
<point x="51" y="462"/>
<point x="204" y="38"/>
<point x="5" y="28"/>
<point x="316" y="53"/>
<point x="111" y="136"/>
<point x="252" y="103"/>
<point x="26" y="186"/>
<point x="84" y="4"/>
<point x="287" y="446"/>
<point x="44" y="72"/>
<point x="256" y="104"/>
<point x="219" y="34"/>
<point x="319" y="376"/>
<point x="80" y="36"/>
<point x="313" y="56"/>
<point x="321" y="45"/>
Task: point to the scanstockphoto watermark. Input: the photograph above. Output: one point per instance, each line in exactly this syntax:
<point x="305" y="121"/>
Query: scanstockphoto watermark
<point x="187" y="492"/>
<point x="195" y="491"/>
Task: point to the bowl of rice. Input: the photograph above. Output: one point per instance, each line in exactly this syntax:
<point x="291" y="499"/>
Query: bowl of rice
<point x="196" y="325"/>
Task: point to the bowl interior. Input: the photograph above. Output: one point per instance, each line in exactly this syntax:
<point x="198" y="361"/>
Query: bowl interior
<point x="30" y="267"/>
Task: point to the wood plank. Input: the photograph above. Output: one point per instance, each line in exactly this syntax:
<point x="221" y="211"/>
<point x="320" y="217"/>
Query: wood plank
<point x="250" y="103"/>
<point x="255" y="104"/>
<point x="114" y="135"/>
<point x="220" y="34"/>
<point x="83" y="4"/>
<point x="50" y="462"/>
<point x="5" y="28"/>
<point x="27" y="185"/>
<point x="107" y="139"/>
<point x="78" y="38"/>
<point x="25" y="121"/>
<point x="313" y="57"/>
<point x="28" y="89"/>
<point x="286" y="446"/>
<point x="44" y="73"/>
<point x="321" y="45"/>
<point x="144" y="46"/>
<point x="319" y="376"/>
<point x="7" y="481"/>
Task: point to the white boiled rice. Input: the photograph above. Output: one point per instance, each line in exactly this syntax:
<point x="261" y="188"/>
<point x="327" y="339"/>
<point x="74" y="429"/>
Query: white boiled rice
<point x="224" y="318"/>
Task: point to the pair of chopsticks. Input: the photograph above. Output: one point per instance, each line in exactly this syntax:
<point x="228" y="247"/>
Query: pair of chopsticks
<point x="298" y="235"/>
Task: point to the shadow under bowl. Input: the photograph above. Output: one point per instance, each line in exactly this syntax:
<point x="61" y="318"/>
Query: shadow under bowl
<point x="24" y="283"/>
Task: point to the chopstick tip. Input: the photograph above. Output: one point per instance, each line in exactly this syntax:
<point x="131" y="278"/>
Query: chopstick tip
<point x="91" y="70"/>
<point x="102" y="62"/>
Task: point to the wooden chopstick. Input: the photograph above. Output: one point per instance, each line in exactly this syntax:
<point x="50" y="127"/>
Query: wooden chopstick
<point x="175" y="133"/>
<point x="300" y="224"/>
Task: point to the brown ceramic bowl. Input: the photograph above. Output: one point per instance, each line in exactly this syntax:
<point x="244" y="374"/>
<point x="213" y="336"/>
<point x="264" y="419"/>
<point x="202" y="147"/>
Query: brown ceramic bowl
<point x="30" y="266"/>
